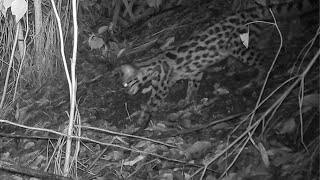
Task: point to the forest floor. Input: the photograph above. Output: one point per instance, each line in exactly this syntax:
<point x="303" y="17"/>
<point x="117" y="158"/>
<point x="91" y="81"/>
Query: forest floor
<point x="183" y="137"/>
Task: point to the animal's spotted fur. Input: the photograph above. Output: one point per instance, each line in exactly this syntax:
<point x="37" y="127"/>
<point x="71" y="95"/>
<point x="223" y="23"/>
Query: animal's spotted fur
<point x="203" y="49"/>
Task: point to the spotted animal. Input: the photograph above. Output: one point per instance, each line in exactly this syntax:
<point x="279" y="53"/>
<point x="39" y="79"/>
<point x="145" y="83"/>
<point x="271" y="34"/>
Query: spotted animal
<point x="205" y="48"/>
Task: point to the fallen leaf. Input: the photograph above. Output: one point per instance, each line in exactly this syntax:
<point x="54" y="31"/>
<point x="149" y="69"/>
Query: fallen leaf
<point x="311" y="100"/>
<point x="264" y="155"/>
<point x="29" y="145"/>
<point x="121" y="52"/>
<point x="286" y="127"/>
<point x="117" y="155"/>
<point x="186" y="123"/>
<point x="103" y="29"/>
<point x="154" y="3"/>
<point x="136" y="160"/>
<point x="197" y="150"/>
<point x="95" y="42"/>
<point x="173" y="117"/>
<point x="186" y="115"/>
<point x="19" y="9"/>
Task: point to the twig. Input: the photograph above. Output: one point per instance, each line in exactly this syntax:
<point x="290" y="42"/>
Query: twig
<point x="201" y="127"/>
<point x="30" y="172"/>
<point x="128" y="135"/>
<point x="126" y="107"/>
<point x="10" y="66"/>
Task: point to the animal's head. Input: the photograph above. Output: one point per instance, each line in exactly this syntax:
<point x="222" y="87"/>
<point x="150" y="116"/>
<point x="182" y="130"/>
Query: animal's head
<point x="134" y="78"/>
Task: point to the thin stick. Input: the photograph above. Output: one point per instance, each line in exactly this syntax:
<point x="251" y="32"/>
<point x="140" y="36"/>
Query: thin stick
<point x="10" y="65"/>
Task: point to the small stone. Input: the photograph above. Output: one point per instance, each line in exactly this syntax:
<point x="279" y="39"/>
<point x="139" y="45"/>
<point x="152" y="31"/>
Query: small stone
<point x="186" y="123"/>
<point x="182" y="103"/>
<point x="173" y="117"/>
<point x="186" y="115"/>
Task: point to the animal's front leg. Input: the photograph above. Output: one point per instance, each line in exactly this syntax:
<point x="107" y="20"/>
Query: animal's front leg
<point x="159" y="93"/>
<point x="193" y="86"/>
<point x="252" y="57"/>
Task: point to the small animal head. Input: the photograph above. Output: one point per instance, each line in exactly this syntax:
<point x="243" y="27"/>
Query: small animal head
<point x="134" y="78"/>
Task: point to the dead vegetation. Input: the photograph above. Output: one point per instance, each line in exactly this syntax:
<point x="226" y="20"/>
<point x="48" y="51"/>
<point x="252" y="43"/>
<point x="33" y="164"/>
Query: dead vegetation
<point x="270" y="134"/>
